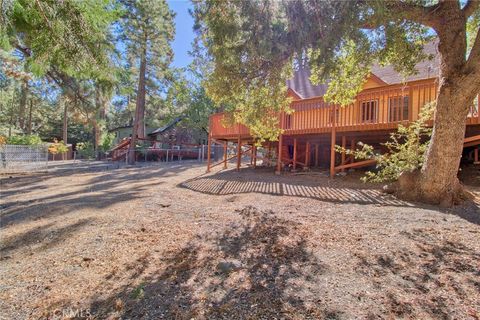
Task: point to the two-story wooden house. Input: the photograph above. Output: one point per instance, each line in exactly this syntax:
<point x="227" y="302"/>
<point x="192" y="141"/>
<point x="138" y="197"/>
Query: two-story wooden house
<point x="315" y="127"/>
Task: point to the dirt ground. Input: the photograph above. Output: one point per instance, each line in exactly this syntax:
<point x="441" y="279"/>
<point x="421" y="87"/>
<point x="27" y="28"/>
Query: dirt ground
<point x="170" y="242"/>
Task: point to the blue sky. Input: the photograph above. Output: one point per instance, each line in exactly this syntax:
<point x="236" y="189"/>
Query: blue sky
<point x="184" y="32"/>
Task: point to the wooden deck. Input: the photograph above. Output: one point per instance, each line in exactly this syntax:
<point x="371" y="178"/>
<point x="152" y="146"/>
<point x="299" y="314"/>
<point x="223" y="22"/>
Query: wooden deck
<point x="373" y="110"/>
<point x="310" y="133"/>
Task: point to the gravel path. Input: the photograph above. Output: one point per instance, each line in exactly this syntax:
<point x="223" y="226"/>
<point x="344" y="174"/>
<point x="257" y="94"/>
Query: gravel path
<point x="170" y="242"/>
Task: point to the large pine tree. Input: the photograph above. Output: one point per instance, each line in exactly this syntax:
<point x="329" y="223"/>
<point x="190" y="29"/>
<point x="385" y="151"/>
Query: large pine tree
<point x="147" y="29"/>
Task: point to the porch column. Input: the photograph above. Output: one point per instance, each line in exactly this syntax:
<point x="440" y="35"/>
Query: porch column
<point x="344" y="145"/>
<point x="251" y="155"/>
<point x="269" y="153"/>
<point x="332" y="144"/>
<point x="307" y="155"/>
<point x="279" y="155"/>
<point x="294" y="154"/>
<point x="352" y="148"/>
<point x="209" y="149"/>
<point x="239" y="153"/>
<point x="225" y="145"/>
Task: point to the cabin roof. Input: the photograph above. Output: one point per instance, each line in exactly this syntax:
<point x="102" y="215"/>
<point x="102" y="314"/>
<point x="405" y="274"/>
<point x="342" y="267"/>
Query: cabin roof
<point x="426" y="69"/>
<point x="120" y="127"/>
<point x="166" y="127"/>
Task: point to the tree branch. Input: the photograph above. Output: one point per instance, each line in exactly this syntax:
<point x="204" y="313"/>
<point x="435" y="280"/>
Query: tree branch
<point x="426" y="16"/>
<point x="471" y="69"/>
<point x="416" y="13"/>
<point x="473" y="61"/>
<point x="62" y="80"/>
<point x="470" y="7"/>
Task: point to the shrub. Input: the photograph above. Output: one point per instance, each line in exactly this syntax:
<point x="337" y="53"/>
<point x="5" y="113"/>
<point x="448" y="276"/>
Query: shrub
<point x="406" y="149"/>
<point x="24" y="140"/>
<point x="106" y="141"/>
<point x="86" y="150"/>
<point x="58" y="148"/>
<point x="62" y="147"/>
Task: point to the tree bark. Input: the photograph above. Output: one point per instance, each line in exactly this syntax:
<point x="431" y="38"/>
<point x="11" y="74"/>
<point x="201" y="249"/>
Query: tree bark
<point x="29" y="126"/>
<point x="98" y="116"/>
<point x="65" y="122"/>
<point x="138" y="124"/>
<point x="11" y="118"/>
<point x="23" y="105"/>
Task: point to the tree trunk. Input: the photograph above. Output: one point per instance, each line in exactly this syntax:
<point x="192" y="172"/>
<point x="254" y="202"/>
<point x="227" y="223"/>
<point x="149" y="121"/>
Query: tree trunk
<point x="29" y="126"/>
<point x="437" y="181"/>
<point x="23" y="105"/>
<point x="98" y="120"/>
<point x="65" y="122"/>
<point x="138" y="124"/>
<point x="11" y="121"/>
<point x="96" y="134"/>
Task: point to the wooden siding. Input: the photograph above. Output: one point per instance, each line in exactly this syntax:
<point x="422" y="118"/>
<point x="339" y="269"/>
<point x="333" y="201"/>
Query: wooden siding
<point x="377" y="108"/>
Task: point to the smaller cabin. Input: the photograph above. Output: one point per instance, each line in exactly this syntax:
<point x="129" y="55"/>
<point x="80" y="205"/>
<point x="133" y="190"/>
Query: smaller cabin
<point x="176" y="134"/>
<point x="123" y="132"/>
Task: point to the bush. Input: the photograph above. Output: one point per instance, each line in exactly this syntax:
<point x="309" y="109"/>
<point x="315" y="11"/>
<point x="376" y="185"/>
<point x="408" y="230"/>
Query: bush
<point x="85" y="150"/>
<point x="58" y="148"/>
<point x="406" y="149"/>
<point x="106" y="141"/>
<point x="24" y="140"/>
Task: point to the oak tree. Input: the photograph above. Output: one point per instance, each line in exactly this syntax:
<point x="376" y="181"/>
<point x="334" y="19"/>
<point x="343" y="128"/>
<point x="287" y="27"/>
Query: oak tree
<point x="256" y="43"/>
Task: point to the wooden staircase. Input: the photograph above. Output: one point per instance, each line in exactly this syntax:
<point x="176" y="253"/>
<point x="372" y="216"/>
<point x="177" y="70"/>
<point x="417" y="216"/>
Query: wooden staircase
<point x="119" y="152"/>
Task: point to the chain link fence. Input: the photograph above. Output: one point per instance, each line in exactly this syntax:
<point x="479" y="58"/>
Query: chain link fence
<point x="17" y="158"/>
<point x="197" y="153"/>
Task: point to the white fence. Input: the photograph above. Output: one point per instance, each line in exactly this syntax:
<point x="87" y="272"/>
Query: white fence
<point x="15" y="158"/>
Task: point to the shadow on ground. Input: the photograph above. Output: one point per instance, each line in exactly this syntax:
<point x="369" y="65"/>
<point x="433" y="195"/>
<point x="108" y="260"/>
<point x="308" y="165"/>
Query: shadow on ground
<point x="265" y="267"/>
<point x="257" y="268"/>
<point x="103" y="190"/>
<point x="431" y="279"/>
<point x="41" y="238"/>
<point x="319" y="188"/>
<point x="231" y="182"/>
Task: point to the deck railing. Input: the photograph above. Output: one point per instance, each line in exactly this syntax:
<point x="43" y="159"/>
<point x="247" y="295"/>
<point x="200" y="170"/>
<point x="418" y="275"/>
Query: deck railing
<point x="218" y="127"/>
<point x="373" y="109"/>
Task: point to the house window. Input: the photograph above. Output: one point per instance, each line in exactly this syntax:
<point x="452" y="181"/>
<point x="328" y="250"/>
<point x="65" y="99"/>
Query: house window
<point x="397" y="109"/>
<point x="369" y="110"/>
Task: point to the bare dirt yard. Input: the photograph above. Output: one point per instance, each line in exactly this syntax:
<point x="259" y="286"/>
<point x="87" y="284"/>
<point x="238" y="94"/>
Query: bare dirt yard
<point x="170" y="242"/>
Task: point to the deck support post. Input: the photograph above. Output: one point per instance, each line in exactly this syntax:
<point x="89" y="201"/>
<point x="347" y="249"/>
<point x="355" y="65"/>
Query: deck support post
<point x="294" y="154"/>
<point x="344" y="145"/>
<point x="279" y="155"/>
<point x="307" y="155"/>
<point x="254" y="153"/>
<point x="269" y="153"/>
<point x="332" y="144"/>
<point x="209" y="149"/>
<point x="475" y="155"/>
<point x="352" y="148"/>
<point x="239" y="153"/>
<point x="225" y="151"/>
<point x="316" y="155"/>
<point x="251" y="155"/>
